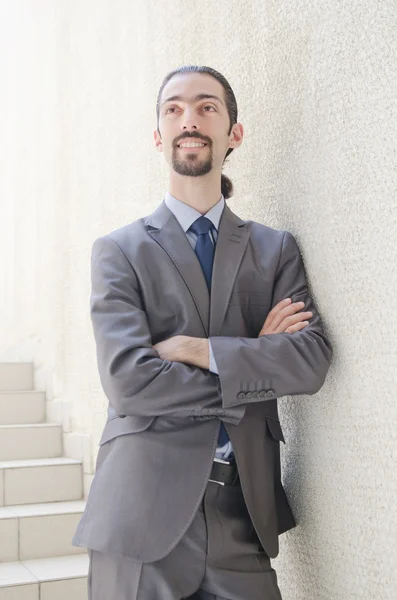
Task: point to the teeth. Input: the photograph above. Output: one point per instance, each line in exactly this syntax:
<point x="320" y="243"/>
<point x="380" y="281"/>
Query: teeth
<point x="191" y="145"/>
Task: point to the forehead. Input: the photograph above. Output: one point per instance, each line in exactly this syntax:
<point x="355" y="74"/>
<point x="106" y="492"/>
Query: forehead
<point x="189" y="85"/>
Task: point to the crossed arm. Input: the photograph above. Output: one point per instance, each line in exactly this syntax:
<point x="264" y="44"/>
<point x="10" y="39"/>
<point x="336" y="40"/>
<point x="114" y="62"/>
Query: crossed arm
<point x="135" y="379"/>
<point x="199" y="352"/>
<point x="291" y="353"/>
<point x="138" y="381"/>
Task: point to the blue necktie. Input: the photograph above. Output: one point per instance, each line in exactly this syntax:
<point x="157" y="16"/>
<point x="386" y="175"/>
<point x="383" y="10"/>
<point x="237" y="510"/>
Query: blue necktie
<point x="205" y="251"/>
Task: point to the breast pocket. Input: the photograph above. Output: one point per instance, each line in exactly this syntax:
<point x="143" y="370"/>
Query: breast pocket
<point x="249" y="298"/>
<point x="248" y="310"/>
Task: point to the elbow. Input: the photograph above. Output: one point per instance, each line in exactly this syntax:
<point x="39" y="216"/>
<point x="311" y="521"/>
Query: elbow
<point x="122" y="386"/>
<point x="125" y="400"/>
<point x="318" y="381"/>
<point x="117" y="395"/>
<point x="127" y="384"/>
<point x="322" y="365"/>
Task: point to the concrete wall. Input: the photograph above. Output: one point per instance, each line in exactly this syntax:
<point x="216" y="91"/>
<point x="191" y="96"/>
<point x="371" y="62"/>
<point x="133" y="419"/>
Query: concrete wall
<point x="316" y="88"/>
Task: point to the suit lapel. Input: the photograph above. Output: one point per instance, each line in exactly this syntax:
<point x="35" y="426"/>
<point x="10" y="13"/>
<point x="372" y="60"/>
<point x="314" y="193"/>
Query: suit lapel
<point x="233" y="236"/>
<point x="232" y="241"/>
<point x="166" y="231"/>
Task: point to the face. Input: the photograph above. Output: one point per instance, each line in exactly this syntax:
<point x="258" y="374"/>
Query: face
<point x="195" y="120"/>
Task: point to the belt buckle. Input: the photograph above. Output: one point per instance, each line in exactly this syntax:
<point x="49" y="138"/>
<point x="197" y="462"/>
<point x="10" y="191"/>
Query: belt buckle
<point x="224" y="462"/>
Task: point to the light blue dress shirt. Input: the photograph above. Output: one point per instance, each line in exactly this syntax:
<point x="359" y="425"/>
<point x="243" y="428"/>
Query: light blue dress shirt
<point x="186" y="215"/>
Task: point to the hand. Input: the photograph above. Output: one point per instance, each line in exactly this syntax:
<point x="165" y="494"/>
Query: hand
<point x="281" y="319"/>
<point x="186" y="349"/>
<point x="170" y="349"/>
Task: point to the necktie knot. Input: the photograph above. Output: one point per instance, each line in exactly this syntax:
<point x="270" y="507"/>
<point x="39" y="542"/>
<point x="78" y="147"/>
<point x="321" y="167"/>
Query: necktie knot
<point x="201" y="225"/>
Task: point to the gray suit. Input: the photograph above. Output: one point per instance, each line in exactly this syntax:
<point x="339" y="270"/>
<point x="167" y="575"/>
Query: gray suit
<point x="158" y="444"/>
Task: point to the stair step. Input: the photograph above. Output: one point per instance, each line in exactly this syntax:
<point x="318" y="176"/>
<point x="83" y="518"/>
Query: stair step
<point x="43" y="530"/>
<point x="16" y="376"/>
<point x="30" y="440"/>
<point x="22" y="407"/>
<point x="40" y="480"/>
<point x="61" y="577"/>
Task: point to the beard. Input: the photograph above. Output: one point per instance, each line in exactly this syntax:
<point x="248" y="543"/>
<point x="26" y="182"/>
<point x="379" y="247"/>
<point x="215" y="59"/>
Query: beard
<point x="190" y="164"/>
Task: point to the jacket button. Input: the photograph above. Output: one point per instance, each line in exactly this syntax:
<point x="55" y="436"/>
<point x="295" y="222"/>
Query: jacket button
<point x="270" y="393"/>
<point x="255" y="394"/>
<point x="262" y="394"/>
<point x="248" y="394"/>
<point x="241" y="395"/>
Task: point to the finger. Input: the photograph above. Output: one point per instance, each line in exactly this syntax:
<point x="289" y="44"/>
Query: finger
<point x="287" y="312"/>
<point x="280" y="305"/>
<point x="278" y="313"/>
<point x="297" y="327"/>
<point x="292" y="320"/>
<point x="275" y="310"/>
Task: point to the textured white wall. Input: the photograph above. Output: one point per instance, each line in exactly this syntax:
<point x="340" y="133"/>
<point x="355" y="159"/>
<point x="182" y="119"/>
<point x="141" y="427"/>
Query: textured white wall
<point x="316" y="87"/>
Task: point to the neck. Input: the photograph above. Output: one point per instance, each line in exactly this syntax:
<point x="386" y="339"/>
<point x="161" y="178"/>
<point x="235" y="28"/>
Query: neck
<point x="196" y="191"/>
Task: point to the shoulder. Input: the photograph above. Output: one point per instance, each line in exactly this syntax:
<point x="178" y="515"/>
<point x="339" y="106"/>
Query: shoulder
<point x="123" y="236"/>
<point x="269" y="241"/>
<point x="269" y="235"/>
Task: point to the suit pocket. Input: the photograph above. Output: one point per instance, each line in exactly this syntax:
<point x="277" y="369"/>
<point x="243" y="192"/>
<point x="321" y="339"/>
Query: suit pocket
<point x="122" y="425"/>
<point x="103" y="451"/>
<point x="249" y="298"/>
<point x="274" y="428"/>
<point x="246" y="313"/>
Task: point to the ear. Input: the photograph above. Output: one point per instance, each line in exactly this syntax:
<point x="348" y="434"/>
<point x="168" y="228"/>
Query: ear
<point x="158" y="141"/>
<point x="236" y="135"/>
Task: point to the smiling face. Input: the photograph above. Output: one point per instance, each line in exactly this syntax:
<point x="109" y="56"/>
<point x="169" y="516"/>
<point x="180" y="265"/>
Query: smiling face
<point x="193" y="111"/>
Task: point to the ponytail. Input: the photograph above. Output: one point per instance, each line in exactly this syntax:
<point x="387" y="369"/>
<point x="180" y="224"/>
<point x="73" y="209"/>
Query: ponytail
<point x="226" y="187"/>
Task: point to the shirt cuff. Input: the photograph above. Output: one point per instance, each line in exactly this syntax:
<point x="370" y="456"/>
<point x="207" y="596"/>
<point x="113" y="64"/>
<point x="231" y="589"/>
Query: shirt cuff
<point x="213" y="367"/>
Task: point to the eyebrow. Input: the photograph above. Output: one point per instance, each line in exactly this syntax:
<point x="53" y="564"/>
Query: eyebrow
<point x="195" y="99"/>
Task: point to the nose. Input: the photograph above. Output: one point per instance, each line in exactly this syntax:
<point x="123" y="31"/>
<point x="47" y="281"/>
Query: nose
<point x="189" y="121"/>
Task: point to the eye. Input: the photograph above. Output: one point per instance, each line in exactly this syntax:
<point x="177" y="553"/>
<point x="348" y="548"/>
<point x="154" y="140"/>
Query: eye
<point x="206" y="106"/>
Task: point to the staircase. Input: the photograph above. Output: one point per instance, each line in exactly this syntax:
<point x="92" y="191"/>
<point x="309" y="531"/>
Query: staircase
<point x="41" y="498"/>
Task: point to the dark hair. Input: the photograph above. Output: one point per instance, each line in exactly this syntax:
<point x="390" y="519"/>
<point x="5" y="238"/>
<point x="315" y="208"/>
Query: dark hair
<point x="231" y="104"/>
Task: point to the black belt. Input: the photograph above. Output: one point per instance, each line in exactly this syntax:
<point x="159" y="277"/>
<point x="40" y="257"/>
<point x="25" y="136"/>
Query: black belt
<point x="224" y="472"/>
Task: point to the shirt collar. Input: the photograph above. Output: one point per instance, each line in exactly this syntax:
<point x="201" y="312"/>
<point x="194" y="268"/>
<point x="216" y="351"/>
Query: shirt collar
<point x="186" y="215"/>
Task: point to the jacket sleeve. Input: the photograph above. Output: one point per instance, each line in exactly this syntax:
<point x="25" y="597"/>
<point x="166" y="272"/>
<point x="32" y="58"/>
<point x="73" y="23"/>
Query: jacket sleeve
<point x="134" y="378"/>
<point x="280" y="364"/>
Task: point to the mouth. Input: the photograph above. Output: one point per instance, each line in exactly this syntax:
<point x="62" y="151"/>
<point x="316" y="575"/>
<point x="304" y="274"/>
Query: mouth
<point x="192" y="148"/>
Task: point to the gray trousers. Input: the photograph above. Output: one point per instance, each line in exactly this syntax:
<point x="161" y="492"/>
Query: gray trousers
<point x="218" y="558"/>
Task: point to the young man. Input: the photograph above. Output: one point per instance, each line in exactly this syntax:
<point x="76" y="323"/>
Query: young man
<point x="202" y="320"/>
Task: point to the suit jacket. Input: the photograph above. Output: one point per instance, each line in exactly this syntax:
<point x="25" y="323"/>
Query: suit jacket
<point x="159" y="441"/>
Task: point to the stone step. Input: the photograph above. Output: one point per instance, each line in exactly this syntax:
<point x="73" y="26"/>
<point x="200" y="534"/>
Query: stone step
<point x="40" y="480"/>
<point x="43" y="530"/>
<point x="56" y="578"/>
<point x="16" y="376"/>
<point x="30" y="440"/>
<point x="22" y="407"/>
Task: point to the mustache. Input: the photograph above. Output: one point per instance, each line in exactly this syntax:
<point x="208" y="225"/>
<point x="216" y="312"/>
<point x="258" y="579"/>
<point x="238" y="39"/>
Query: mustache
<point x="194" y="136"/>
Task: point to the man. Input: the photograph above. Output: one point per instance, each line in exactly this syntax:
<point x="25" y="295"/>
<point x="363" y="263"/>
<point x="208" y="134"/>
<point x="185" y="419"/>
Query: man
<point x="199" y="325"/>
